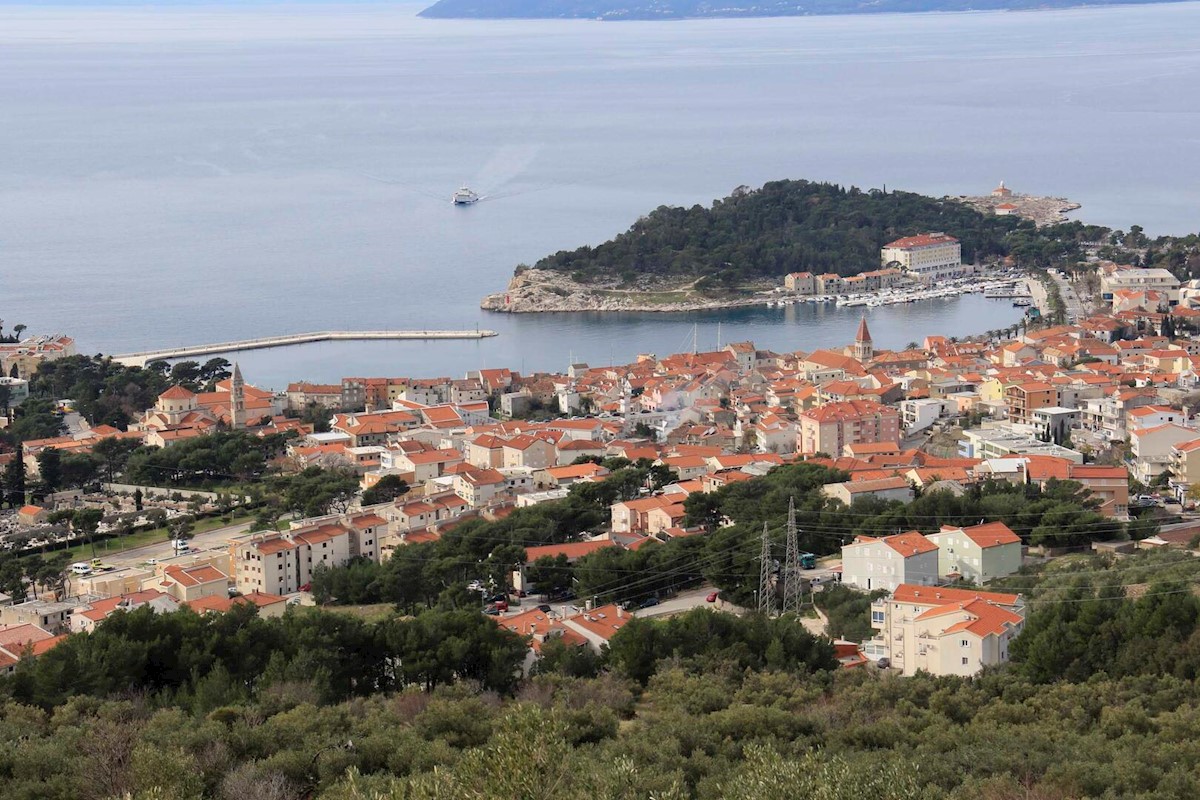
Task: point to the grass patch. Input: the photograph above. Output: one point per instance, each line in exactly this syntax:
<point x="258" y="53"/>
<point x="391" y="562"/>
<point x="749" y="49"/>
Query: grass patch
<point x="119" y="544"/>
<point x="369" y="612"/>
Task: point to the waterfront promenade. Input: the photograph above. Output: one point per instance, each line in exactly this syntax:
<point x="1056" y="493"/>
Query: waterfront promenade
<point x="190" y="351"/>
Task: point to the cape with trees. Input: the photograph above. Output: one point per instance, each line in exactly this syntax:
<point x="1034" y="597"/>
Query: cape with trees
<point x="796" y="225"/>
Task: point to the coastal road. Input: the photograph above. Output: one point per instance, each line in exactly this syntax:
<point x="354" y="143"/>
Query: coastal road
<point x="1041" y="298"/>
<point x="1075" y="310"/>
<point x="216" y="539"/>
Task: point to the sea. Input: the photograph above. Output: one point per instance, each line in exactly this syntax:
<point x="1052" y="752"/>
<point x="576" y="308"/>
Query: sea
<point x="181" y="175"/>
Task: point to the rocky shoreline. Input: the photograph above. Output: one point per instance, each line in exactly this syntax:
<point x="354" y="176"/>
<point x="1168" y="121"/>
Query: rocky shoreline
<point x="538" y="291"/>
<point x="1042" y="210"/>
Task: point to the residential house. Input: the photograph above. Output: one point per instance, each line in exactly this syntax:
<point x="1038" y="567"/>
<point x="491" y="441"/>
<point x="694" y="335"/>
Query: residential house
<point x="800" y="282"/>
<point x="889" y="561"/>
<point x="1150" y="448"/>
<point x="85" y="618"/>
<point x="944" y="631"/>
<point x="21" y="641"/>
<point x="893" y="488"/>
<point x="193" y="582"/>
<point x="632" y="516"/>
<point x="829" y="428"/>
<point x="569" y="475"/>
<point x="977" y="553"/>
<point x="479" y="487"/>
<point x="1023" y="399"/>
<point x="599" y="625"/>
<point x="1185" y="462"/>
<point x="46" y="614"/>
<point x="529" y="451"/>
<point x="267" y="605"/>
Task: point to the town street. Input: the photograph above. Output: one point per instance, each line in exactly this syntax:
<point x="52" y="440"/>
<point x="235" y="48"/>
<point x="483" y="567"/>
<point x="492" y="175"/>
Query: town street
<point x="210" y="540"/>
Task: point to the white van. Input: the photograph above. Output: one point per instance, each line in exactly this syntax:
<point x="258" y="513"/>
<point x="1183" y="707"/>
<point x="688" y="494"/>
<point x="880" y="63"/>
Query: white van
<point x="180" y="545"/>
<point x="81" y="568"/>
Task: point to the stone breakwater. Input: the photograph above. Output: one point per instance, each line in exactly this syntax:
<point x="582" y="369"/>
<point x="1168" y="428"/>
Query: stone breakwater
<point x="538" y="290"/>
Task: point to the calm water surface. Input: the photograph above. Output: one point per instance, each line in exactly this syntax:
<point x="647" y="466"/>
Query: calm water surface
<point x="189" y="175"/>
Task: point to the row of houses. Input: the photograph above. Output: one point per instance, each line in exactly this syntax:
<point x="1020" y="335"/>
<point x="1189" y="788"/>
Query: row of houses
<point x="975" y="554"/>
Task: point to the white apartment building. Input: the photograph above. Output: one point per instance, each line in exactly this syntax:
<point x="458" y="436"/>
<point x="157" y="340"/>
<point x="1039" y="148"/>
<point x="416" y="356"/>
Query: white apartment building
<point x="890" y="561"/>
<point x="917" y="415"/>
<point x="944" y="631"/>
<point x="1159" y="280"/>
<point x="929" y="257"/>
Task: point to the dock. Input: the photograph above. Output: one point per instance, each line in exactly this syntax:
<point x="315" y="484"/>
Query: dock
<point x="169" y="353"/>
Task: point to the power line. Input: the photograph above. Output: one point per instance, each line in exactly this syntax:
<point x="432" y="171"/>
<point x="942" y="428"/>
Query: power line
<point x="766" y="592"/>
<point x="791" y="564"/>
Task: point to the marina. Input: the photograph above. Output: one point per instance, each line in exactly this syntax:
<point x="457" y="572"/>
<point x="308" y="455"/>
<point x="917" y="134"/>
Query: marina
<point x="1017" y="289"/>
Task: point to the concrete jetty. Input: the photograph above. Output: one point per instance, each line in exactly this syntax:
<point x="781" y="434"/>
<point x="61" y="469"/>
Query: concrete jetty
<point x="143" y="358"/>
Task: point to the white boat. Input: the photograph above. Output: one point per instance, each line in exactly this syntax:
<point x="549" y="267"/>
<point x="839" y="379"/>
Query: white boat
<point x="465" y="197"/>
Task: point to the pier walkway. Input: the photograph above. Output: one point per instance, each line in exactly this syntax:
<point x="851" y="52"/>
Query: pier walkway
<point x="143" y="358"/>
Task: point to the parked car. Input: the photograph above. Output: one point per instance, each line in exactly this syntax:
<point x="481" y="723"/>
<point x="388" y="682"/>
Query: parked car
<point x="502" y="605"/>
<point x="544" y="608"/>
<point x="81" y="568"/>
<point x="492" y="611"/>
<point x="712" y="597"/>
<point x="648" y="602"/>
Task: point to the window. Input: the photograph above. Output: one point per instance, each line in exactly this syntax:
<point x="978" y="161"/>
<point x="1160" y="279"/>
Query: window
<point x="876" y="616"/>
<point x="964" y="660"/>
<point x="965" y="642"/>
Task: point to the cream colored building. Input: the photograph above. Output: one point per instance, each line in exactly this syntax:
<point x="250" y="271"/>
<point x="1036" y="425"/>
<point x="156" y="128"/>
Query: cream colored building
<point x="800" y="282"/>
<point x="479" y="487"/>
<point x="1185" y="462"/>
<point x="928" y="257"/>
<point x="944" y="631"/>
<point x="281" y="563"/>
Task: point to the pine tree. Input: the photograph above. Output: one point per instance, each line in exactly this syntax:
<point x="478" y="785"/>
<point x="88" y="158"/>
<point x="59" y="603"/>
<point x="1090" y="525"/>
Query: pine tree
<point x="14" y="478"/>
<point x="50" y="468"/>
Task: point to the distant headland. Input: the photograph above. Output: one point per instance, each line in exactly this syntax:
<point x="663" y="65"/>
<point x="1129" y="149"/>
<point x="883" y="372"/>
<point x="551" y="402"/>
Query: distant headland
<point x="697" y="9"/>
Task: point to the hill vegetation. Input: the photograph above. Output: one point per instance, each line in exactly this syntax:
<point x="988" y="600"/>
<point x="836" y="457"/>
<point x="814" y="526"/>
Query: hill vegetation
<point x="789" y="226"/>
<point x="428" y="701"/>
<point x="1101" y="701"/>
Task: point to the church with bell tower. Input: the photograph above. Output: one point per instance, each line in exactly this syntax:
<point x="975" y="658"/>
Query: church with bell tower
<point x="863" y="349"/>
<point x="237" y="399"/>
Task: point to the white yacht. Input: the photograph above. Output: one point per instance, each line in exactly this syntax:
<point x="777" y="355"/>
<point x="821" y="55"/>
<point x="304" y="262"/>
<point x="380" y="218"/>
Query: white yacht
<point x="465" y="197"/>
